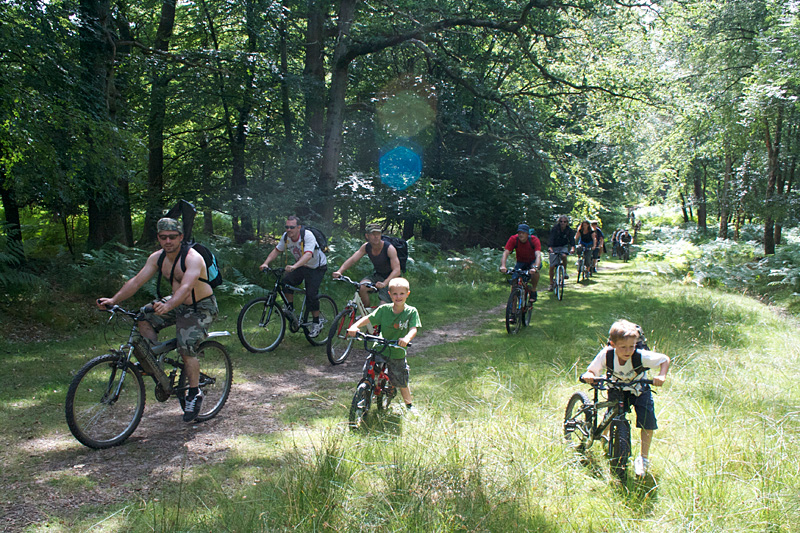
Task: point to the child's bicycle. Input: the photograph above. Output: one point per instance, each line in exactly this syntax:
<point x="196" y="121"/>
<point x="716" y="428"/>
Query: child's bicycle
<point x="374" y="385"/>
<point x="338" y="344"/>
<point x="520" y="302"/>
<point x="581" y="427"/>
<point x="106" y="398"/>
<point x="261" y="325"/>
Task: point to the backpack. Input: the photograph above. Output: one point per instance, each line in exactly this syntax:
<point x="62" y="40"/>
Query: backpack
<point x="322" y="240"/>
<point x="212" y="266"/>
<point x="402" y="250"/>
<point x="636" y="359"/>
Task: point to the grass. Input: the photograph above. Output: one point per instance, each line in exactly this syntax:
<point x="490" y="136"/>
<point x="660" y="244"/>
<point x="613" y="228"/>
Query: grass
<point x="486" y="454"/>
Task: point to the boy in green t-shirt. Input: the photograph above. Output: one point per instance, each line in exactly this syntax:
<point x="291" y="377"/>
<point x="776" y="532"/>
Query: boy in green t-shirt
<point x="399" y="322"/>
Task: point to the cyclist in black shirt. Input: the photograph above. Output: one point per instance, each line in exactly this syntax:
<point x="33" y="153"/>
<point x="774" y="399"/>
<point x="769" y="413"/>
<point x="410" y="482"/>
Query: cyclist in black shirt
<point x="560" y="243"/>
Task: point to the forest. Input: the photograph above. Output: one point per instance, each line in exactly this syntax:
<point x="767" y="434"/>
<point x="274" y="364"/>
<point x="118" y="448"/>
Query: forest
<point x="447" y="121"/>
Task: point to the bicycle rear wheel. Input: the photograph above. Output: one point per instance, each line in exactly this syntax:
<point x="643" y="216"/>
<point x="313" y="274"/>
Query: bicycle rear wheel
<point x="327" y="314"/>
<point x="105" y="402"/>
<point x="579" y="421"/>
<point x="360" y="405"/>
<point x="260" y="326"/>
<point x="620" y="448"/>
<point x="338" y="345"/>
<point x="514" y="311"/>
<point x="216" y="376"/>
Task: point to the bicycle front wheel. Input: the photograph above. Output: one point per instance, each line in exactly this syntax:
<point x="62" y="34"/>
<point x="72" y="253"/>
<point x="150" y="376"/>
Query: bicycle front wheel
<point x="216" y="377"/>
<point x="527" y="311"/>
<point x="105" y="402"/>
<point x="514" y="311"/>
<point x="620" y="447"/>
<point x="360" y="405"/>
<point x="578" y="421"/>
<point x="559" y="287"/>
<point x="327" y="313"/>
<point x="580" y="271"/>
<point x="384" y="398"/>
<point x="260" y="326"/>
<point x="338" y="344"/>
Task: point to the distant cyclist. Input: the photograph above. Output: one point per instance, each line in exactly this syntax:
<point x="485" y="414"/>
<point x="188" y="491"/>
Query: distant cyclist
<point x="586" y="237"/>
<point x="600" y="245"/>
<point x="560" y="243"/>
<point x="528" y="251"/>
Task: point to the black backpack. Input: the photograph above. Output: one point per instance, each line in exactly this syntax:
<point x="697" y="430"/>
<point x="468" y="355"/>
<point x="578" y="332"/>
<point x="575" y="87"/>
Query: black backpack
<point x="402" y="249"/>
<point x="322" y="240"/>
<point x="212" y="266"/>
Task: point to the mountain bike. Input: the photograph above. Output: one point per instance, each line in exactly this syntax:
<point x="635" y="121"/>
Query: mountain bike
<point x="261" y="325"/>
<point x="625" y="251"/>
<point x="584" y="262"/>
<point x="374" y="386"/>
<point x="581" y="427"/>
<point x="520" y="302"/>
<point x="560" y="276"/>
<point x="338" y="344"/>
<point x="106" y="398"/>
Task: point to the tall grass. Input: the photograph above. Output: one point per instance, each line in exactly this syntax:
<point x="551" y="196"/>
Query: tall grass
<point x="486" y="453"/>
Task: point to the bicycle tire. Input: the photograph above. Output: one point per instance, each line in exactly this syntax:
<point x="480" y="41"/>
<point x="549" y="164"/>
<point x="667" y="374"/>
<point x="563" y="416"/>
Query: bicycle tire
<point x="527" y="311"/>
<point x="626" y="255"/>
<point x="93" y="417"/>
<point x="261" y="325"/>
<point x="559" y="287"/>
<point x="620" y="448"/>
<point x="579" y="421"/>
<point x="384" y="398"/>
<point x="216" y="377"/>
<point x="327" y="313"/>
<point x="338" y="345"/>
<point x="513" y="311"/>
<point x="359" y="407"/>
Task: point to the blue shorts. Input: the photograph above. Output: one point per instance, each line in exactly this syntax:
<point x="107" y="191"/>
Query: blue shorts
<point x="645" y="409"/>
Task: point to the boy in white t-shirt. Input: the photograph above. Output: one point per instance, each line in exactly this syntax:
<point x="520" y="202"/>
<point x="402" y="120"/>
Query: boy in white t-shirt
<point x="631" y="362"/>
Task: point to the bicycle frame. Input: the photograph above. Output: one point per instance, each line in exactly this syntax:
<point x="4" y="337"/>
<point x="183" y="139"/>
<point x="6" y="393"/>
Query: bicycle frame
<point x="280" y="290"/>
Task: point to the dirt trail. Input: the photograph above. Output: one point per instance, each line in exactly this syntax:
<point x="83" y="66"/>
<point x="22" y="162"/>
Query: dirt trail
<point x="63" y="475"/>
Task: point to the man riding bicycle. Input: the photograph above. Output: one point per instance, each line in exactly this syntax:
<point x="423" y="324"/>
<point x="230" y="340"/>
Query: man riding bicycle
<point x="560" y="243"/>
<point x="384" y="259"/>
<point x="191" y="308"/>
<point x="528" y="251"/>
<point x="309" y="266"/>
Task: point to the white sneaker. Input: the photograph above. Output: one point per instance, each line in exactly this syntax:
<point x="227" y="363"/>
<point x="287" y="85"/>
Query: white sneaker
<point x="640" y="466"/>
<point x="314" y="329"/>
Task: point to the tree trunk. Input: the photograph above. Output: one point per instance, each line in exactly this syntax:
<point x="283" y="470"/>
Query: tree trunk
<point x="107" y="205"/>
<point x="314" y="79"/>
<point x="683" y="207"/>
<point x="773" y="152"/>
<point x="13" y="228"/>
<point x="155" y="125"/>
<point x="724" y="201"/>
<point x="332" y="147"/>
<point x="699" y="195"/>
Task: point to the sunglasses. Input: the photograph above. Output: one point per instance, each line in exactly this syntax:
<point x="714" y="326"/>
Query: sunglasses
<point x="290" y="227"/>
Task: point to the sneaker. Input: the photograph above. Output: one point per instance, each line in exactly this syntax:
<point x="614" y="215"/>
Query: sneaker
<point x="550" y="288"/>
<point x="192" y="407"/>
<point x="412" y="411"/>
<point x="566" y="276"/>
<point x="535" y="296"/>
<point x="314" y="329"/>
<point x="640" y="466"/>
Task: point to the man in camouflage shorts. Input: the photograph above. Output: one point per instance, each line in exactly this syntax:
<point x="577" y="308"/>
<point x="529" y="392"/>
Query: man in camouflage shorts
<point x="192" y="306"/>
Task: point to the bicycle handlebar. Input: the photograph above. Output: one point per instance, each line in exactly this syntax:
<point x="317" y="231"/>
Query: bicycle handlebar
<point x="276" y="271"/>
<point x="366" y="337"/>
<point x="346" y="279"/>
<point x="605" y="383"/>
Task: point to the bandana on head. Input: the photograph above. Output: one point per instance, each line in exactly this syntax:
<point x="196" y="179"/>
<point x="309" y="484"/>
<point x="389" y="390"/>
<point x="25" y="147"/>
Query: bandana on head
<point x="169" y="224"/>
<point x="374" y="227"/>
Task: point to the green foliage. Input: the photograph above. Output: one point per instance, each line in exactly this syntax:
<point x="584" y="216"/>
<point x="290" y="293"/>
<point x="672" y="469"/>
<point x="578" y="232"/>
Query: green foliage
<point x="13" y="279"/>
